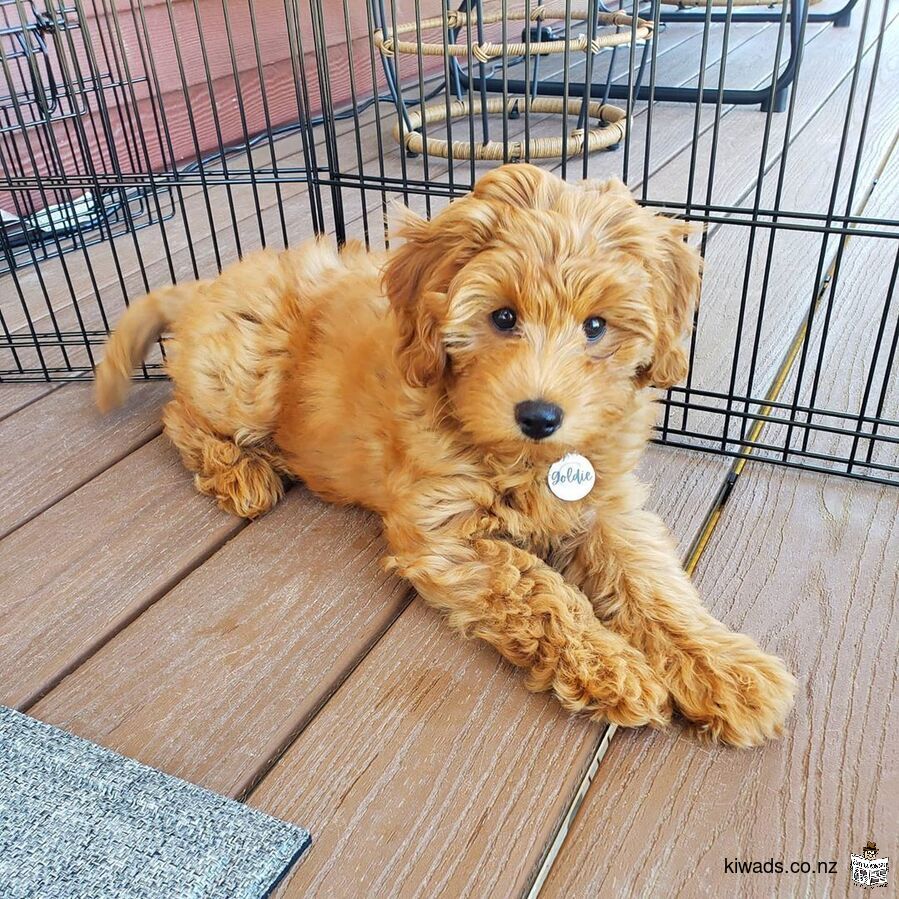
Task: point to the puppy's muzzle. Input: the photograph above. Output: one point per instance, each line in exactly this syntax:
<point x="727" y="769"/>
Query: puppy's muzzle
<point x="538" y="419"/>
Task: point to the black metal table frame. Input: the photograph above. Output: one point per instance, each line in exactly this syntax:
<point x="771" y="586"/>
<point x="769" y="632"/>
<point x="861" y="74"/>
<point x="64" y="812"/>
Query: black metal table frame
<point x="665" y="93"/>
<point x="796" y="14"/>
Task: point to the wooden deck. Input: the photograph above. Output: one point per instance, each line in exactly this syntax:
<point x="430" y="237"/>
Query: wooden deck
<point x="274" y="662"/>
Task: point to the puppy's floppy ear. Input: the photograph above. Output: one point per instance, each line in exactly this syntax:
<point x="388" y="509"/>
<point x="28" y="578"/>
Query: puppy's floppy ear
<point x="408" y="277"/>
<point x="417" y="276"/>
<point x="675" y="269"/>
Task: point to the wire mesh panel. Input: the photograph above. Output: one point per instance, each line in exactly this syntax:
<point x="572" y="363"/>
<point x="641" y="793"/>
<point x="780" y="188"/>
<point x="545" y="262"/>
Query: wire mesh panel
<point x="66" y="126"/>
<point x="154" y="141"/>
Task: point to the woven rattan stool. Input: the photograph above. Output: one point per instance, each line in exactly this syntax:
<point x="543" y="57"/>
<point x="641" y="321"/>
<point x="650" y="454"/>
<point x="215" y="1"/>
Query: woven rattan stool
<point x="455" y="19"/>
<point x="609" y="31"/>
<point x="609" y="130"/>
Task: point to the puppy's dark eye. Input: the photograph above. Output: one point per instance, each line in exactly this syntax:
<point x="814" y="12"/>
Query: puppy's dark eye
<point x="505" y="319"/>
<point x="594" y="327"/>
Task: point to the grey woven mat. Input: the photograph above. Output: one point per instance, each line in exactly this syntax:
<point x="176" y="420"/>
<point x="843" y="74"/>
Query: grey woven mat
<point x="80" y="822"/>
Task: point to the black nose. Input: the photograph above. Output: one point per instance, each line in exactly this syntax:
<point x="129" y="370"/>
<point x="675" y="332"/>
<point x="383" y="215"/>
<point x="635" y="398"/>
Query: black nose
<point x="538" y="419"/>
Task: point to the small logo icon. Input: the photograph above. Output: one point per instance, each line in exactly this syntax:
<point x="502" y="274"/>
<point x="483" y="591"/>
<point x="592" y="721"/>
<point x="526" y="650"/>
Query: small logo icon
<point x="867" y="869"/>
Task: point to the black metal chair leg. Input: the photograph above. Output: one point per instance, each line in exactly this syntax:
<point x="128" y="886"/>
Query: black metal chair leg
<point x="841" y="18"/>
<point x="780" y="101"/>
<point x="844" y="17"/>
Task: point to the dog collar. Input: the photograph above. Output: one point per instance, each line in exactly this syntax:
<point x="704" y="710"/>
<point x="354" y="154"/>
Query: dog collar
<point x="571" y="478"/>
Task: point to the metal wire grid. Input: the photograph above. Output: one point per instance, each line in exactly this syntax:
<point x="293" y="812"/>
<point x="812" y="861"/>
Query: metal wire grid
<point x="31" y="47"/>
<point x="63" y="95"/>
<point x="324" y="160"/>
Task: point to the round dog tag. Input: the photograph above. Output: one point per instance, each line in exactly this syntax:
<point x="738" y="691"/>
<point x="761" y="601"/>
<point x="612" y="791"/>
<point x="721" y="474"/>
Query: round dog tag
<point x="571" y="478"/>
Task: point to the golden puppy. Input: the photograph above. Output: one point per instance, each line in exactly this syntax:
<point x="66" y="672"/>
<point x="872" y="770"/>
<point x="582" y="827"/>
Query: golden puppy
<point x="439" y="386"/>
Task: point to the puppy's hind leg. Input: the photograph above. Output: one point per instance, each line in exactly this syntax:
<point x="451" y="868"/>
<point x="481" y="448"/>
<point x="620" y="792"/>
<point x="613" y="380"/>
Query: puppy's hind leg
<point x="244" y="480"/>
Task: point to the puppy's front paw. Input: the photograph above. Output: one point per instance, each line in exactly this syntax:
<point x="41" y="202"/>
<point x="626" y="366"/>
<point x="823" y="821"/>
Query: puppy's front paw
<point x="619" y="687"/>
<point x="737" y="695"/>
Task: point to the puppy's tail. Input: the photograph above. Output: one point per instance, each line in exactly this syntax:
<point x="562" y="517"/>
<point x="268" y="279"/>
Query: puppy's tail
<point x="144" y="320"/>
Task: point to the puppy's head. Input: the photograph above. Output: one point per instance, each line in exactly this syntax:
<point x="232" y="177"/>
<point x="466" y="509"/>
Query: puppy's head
<point x="543" y="306"/>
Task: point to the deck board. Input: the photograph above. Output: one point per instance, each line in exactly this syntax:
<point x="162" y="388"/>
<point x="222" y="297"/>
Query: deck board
<point x="14" y="397"/>
<point x="147" y="528"/>
<point x="214" y="678"/>
<point x="432" y="773"/>
<point x="54" y="445"/>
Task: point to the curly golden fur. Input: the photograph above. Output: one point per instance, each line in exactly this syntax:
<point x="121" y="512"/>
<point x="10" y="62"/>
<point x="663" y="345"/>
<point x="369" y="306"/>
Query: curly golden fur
<point x="383" y="381"/>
